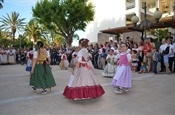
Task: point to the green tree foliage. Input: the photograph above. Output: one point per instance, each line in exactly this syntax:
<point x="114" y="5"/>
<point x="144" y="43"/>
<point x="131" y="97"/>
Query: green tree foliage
<point x="33" y="31"/>
<point x="22" y="42"/>
<point x="160" y="34"/>
<point x="1" y="6"/>
<point x="12" y="23"/>
<point x="64" y="17"/>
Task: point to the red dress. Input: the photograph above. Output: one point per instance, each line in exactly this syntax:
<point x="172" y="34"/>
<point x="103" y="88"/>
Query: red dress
<point x="82" y="84"/>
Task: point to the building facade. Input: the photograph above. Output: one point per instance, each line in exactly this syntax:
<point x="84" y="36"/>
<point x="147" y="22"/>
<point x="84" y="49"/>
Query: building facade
<point x="117" y="13"/>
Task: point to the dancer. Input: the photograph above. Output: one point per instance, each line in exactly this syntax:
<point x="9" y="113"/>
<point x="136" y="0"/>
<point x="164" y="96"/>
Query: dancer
<point x="109" y="70"/>
<point x="74" y="58"/>
<point x="29" y="60"/>
<point x="123" y="76"/>
<point x="41" y="75"/>
<point x="64" y="62"/>
<point x="82" y="84"/>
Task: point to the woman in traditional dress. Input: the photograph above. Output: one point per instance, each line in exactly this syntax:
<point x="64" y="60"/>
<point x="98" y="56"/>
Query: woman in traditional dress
<point x="109" y="70"/>
<point x="82" y="84"/>
<point x="1" y="60"/>
<point x="11" y="57"/>
<point x="4" y="57"/>
<point x="29" y="60"/>
<point x="41" y="74"/>
<point x="74" y="58"/>
<point x="64" y="62"/>
<point x="123" y="76"/>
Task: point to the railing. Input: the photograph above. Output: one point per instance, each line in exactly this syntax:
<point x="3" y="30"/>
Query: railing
<point x="130" y="6"/>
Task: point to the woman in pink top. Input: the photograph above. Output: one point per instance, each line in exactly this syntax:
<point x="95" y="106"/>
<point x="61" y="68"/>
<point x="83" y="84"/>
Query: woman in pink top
<point x="123" y="76"/>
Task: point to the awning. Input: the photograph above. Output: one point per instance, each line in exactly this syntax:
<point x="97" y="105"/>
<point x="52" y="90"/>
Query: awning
<point x="163" y="23"/>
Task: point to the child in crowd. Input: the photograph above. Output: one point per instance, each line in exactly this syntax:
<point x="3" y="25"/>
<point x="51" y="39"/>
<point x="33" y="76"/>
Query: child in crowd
<point x="64" y="62"/>
<point x="134" y="61"/>
<point x="109" y="70"/>
<point x="143" y="68"/>
<point x="74" y="58"/>
<point x="103" y="56"/>
<point x="29" y="60"/>
<point x="155" y="60"/>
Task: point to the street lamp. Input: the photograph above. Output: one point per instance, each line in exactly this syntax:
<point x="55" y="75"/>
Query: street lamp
<point x="145" y="24"/>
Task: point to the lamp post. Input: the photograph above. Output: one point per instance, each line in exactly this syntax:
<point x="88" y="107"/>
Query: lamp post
<point x="145" y="24"/>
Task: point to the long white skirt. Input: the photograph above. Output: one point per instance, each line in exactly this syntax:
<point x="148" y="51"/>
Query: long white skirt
<point x="11" y="59"/>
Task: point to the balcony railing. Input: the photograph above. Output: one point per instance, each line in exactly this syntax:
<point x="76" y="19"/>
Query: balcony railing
<point x="130" y="6"/>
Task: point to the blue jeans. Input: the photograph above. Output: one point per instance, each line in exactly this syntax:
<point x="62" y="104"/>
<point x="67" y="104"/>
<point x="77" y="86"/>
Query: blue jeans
<point x="155" y="67"/>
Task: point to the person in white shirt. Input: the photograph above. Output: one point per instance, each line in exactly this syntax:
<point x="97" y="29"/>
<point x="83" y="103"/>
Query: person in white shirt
<point x="169" y="49"/>
<point x="161" y="49"/>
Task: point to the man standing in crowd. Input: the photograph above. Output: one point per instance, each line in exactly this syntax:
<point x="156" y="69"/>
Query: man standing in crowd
<point x="161" y="49"/>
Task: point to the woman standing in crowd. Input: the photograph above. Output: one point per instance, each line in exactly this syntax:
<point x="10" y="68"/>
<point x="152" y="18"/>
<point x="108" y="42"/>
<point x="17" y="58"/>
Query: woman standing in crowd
<point x="82" y="84"/>
<point x="123" y="76"/>
<point x="4" y="56"/>
<point x="29" y="60"/>
<point x="11" y="57"/>
<point x="147" y="48"/>
<point x="109" y="70"/>
<point x="41" y="74"/>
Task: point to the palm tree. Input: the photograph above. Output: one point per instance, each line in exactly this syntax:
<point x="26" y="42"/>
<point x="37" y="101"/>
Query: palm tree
<point x="1" y="1"/>
<point x="12" y="22"/>
<point x="33" y="30"/>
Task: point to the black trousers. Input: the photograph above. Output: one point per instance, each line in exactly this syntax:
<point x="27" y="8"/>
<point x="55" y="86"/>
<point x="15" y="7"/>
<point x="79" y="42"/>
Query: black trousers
<point x="174" y="62"/>
<point x="162" y="65"/>
<point x="171" y="59"/>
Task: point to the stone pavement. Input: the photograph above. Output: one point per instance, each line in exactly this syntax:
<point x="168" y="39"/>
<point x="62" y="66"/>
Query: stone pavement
<point x="150" y="95"/>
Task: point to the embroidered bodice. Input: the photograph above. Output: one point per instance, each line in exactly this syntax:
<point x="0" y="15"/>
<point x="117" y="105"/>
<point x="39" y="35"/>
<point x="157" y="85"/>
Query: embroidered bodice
<point x="123" y="59"/>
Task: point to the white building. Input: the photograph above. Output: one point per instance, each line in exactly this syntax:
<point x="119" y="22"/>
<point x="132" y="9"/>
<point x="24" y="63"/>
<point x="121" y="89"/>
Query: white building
<point x="117" y="13"/>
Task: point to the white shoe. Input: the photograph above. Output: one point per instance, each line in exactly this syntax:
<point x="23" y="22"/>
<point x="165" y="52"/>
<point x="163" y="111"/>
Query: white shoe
<point x="126" y="90"/>
<point x="44" y="92"/>
<point x="118" y="91"/>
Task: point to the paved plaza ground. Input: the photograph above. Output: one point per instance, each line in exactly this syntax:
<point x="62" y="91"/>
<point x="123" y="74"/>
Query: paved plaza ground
<point x="150" y="95"/>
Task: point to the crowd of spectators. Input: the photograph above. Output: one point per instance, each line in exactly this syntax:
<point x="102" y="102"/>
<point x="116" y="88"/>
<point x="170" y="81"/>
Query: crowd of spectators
<point x="146" y="54"/>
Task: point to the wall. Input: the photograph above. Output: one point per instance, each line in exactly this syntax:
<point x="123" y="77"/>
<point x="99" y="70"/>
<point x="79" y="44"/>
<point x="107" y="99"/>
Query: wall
<point x="108" y="14"/>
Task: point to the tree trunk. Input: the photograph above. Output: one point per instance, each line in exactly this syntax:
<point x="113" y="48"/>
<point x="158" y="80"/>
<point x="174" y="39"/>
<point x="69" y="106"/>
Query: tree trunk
<point x="68" y="41"/>
<point x="13" y="36"/>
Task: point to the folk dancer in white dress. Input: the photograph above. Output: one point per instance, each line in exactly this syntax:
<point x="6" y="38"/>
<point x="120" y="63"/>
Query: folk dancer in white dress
<point x="11" y="57"/>
<point x="29" y="60"/>
<point x="4" y="57"/>
<point x="109" y="70"/>
<point x="82" y="84"/>
<point x="74" y="58"/>
<point x="64" y="62"/>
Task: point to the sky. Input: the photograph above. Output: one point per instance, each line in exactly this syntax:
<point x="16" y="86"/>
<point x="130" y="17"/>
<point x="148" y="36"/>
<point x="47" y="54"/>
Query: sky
<point x="24" y="8"/>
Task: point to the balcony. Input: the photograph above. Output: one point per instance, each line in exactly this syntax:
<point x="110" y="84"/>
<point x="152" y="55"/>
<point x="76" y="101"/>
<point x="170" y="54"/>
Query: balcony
<point x="130" y="4"/>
